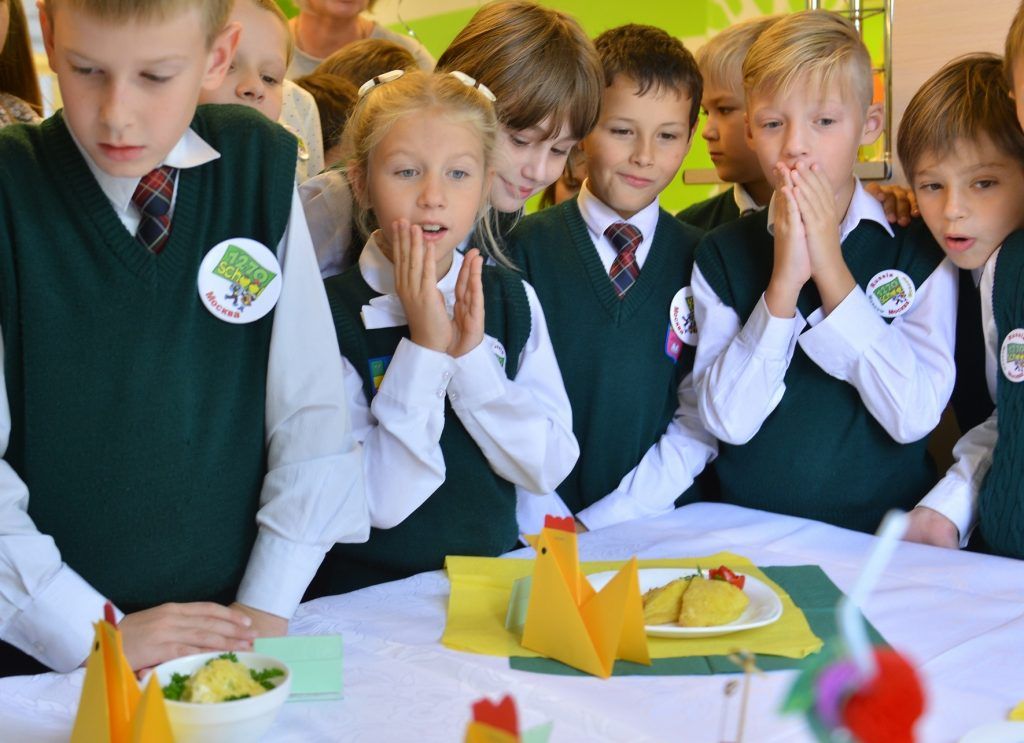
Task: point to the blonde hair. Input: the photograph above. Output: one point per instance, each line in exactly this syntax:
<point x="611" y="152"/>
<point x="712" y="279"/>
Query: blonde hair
<point x="274" y="9"/>
<point x="1014" y="43"/>
<point x="812" y="45"/>
<point x="365" y="59"/>
<point x="410" y="95"/>
<point x="539" y="62"/>
<point x="214" y="12"/>
<point x="721" y="59"/>
<point x="967" y="99"/>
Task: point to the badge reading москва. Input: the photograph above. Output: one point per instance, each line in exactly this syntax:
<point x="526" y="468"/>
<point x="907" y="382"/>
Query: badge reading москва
<point x="1011" y="355"/>
<point x="890" y="292"/>
<point x="682" y="318"/>
<point x="239" y="280"/>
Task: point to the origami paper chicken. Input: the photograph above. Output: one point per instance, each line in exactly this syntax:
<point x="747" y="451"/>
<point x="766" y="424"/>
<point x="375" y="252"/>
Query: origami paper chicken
<point x="568" y="621"/>
<point x="112" y="708"/>
<point x="499" y="723"/>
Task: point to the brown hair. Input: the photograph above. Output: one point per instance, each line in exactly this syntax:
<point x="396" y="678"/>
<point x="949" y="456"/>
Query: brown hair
<point x="815" y="45"/>
<point x="1014" y="43"/>
<point x="538" y="62"/>
<point x="214" y="12"/>
<point x="967" y="99"/>
<point x="17" y="69"/>
<point x="335" y="98"/>
<point x="721" y="59"/>
<point x="653" y="59"/>
<point x="365" y="59"/>
<point x="413" y="94"/>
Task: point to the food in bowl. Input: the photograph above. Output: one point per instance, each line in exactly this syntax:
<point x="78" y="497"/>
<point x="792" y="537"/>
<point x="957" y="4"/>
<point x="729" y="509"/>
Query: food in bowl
<point x="221" y="679"/>
<point x="697" y="601"/>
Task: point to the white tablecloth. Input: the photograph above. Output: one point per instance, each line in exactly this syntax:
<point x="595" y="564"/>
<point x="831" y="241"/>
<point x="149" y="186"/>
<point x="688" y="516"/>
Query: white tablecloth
<point x="959" y="617"/>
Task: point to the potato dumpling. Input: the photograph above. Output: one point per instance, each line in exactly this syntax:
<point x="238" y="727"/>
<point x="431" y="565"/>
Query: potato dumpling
<point x="710" y="603"/>
<point x="661" y="604"/>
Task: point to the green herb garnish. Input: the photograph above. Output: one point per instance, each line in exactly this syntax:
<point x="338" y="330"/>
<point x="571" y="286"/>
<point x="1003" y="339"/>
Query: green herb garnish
<point x="176" y="688"/>
<point x="226" y="656"/>
<point x="263" y="677"/>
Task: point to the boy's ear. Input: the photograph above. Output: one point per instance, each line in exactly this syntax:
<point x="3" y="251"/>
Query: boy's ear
<point x="357" y="181"/>
<point x="747" y="131"/>
<point x="46" y="25"/>
<point x="222" y="51"/>
<point x="874" y="121"/>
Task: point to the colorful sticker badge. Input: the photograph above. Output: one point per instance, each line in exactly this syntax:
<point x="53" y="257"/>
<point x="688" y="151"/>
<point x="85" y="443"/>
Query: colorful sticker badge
<point x="673" y="346"/>
<point x="891" y="292"/>
<point x="1011" y="355"/>
<point x="239" y="280"/>
<point x="379" y="367"/>
<point x="499" y="352"/>
<point x="681" y="317"/>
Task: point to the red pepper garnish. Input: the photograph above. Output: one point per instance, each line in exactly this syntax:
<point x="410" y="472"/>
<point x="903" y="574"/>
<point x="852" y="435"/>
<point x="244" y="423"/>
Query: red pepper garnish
<point x="723" y="573"/>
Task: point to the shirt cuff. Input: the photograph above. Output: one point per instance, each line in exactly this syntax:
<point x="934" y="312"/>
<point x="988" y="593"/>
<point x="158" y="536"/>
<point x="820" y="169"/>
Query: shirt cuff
<point x="837" y="341"/>
<point x="278" y="574"/>
<point x="480" y="377"/>
<point x="770" y="336"/>
<point x="56" y="626"/>
<point x="954" y="500"/>
<point x="421" y="376"/>
<point x="614" y="508"/>
<point x="531" y="508"/>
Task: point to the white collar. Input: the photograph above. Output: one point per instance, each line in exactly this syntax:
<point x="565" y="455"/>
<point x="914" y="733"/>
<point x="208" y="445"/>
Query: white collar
<point x="862" y="207"/>
<point x="599" y="216"/>
<point x="744" y="201"/>
<point x="386" y="311"/>
<point x="190" y="151"/>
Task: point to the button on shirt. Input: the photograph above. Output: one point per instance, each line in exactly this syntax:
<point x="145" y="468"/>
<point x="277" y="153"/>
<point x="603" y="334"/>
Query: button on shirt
<point x="903" y="371"/>
<point x="312" y="493"/>
<point x="522" y="426"/>
<point x="670" y="465"/>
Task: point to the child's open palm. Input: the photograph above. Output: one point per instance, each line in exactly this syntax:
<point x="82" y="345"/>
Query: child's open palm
<point x="817" y="203"/>
<point x="468" y="320"/>
<point x="416" y="286"/>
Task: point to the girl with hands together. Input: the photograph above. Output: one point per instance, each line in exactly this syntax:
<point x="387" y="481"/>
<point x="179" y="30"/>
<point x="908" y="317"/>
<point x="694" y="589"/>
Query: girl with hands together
<point x="452" y="382"/>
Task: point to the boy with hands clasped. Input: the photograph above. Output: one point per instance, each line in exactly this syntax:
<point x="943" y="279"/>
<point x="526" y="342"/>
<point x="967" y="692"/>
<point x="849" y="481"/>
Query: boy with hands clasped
<point x="827" y="422"/>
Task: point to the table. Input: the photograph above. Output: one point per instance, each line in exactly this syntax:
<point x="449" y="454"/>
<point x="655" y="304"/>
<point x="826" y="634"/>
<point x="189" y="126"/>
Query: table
<point x="959" y="616"/>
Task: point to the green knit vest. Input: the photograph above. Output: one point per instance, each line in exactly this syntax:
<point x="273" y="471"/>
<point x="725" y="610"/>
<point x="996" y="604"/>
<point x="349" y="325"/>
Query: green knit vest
<point x="473" y="512"/>
<point x="612" y="352"/>
<point x="137" y="416"/>
<point x="820" y="454"/>
<point x="1001" y="502"/>
<point x="711" y="213"/>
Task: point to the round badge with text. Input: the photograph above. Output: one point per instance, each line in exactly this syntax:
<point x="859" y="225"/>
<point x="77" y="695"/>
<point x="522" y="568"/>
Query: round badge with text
<point x="891" y="292"/>
<point x="239" y="280"/>
<point x="681" y="316"/>
<point x="499" y="351"/>
<point x="1011" y="355"/>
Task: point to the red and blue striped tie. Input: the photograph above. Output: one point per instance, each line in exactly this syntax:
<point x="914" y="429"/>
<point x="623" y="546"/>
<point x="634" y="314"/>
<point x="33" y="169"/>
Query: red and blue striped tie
<point x="153" y="198"/>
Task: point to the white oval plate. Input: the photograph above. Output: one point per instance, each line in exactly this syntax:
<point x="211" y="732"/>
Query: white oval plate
<point x="765" y="607"/>
<point x="996" y="732"/>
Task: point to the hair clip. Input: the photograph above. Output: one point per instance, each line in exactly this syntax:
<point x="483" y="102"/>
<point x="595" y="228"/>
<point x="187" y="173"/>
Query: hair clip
<point x="384" y="77"/>
<point x="472" y="82"/>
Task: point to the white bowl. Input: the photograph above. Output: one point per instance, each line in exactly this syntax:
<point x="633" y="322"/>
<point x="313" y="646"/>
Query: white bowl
<point x="241" y="721"/>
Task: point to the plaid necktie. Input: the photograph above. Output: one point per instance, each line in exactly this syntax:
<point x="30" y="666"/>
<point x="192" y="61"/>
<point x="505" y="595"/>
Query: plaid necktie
<point x="625" y="238"/>
<point x="153" y="198"/>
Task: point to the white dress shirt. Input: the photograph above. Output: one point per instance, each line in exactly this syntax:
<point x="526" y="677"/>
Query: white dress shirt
<point x="956" y="494"/>
<point x="744" y="201"/>
<point x="903" y="371"/>
<point x="670" y="465"/>
<point x="522" y="426"/>
<point x="312" y="493"/>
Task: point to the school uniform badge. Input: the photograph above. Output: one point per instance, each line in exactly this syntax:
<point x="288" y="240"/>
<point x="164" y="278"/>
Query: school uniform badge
<point x="681" y="316"/>
<point x="239" y="280"/>
<point x="1011" y="355"/>
<point x="891" y="292"/>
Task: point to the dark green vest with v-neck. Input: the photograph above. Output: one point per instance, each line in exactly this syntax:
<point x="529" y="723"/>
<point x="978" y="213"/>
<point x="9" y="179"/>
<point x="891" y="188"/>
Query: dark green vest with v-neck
<point x="711" y="213"/>
<point x="137" y="416"/>
<point x="612" y="353"/>
<point x="1001" y="502"/>
<point x="819" y="454"/>
<point x="473" y="512"/>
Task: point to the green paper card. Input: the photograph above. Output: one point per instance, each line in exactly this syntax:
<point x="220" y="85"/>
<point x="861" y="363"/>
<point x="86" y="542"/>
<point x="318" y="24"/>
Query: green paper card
<point x="315" y="663"/>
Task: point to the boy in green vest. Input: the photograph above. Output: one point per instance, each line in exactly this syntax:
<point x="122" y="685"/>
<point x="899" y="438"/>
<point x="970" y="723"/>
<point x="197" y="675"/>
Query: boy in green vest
<point x="171" y="416"/>
<point x="611" y="270"/>
<point x="964" y="155"/>
<point x="829" y="421"/>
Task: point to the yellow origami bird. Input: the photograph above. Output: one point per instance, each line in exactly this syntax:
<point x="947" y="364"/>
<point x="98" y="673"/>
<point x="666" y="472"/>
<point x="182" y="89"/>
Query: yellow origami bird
<point x="112" y="708"/>
<point x="568" y="621"/>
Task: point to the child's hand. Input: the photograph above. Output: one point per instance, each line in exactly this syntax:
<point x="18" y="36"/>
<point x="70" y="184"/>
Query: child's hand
<point x="263" y="624"/>
<point x="927" y="526"/>
<point x="817" y="203"/>
<point x="792" y="266"/>
<point x="416" y="286"/>
<point x="899" y="203"/>
<point x="468" y="323"/>
<point x="169" y="631"/>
